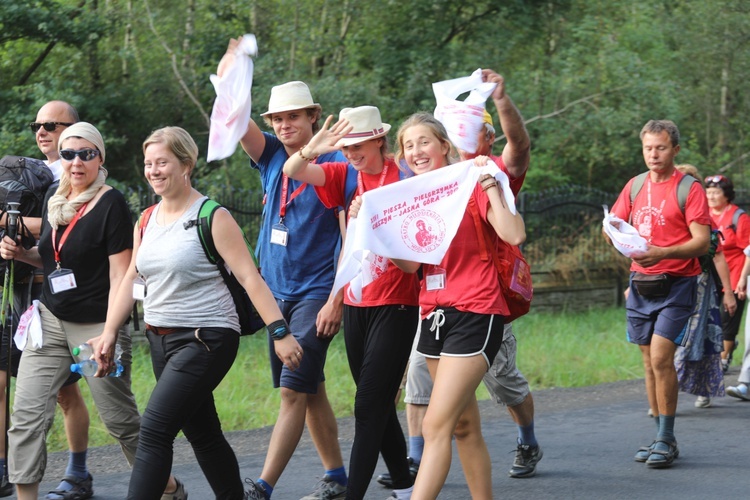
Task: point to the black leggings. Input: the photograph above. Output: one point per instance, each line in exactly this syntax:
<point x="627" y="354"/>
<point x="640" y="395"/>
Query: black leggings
<point x="730" y="325"/>
<point x="188" y="365"/>
<point x="378" y="344"/>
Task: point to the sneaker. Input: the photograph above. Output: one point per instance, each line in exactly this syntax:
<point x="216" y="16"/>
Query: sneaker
<point x="178" y="494"/>
<point x="6" y="487"/>
<point x="725" y="365"/>
<point x="385" y="478"/>
<point x="739" y="392"/>
<point x="327" y="489"/>
<point x="702" y="402"/>
<point x="526" y="459"/>
<point x="80" y="489"/>
<point x="255" y="491"/>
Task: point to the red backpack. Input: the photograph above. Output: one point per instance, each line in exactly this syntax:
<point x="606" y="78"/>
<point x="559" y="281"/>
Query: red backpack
<point x="514" y="272"/>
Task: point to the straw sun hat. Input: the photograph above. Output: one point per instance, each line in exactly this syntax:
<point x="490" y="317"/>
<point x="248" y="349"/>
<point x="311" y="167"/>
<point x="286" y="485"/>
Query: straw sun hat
<point x="290" y="96"/>
<point x="366" y="124"/>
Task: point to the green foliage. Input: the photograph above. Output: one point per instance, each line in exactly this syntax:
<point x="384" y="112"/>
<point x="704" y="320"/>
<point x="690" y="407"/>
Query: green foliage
<point x="585" y="75"/>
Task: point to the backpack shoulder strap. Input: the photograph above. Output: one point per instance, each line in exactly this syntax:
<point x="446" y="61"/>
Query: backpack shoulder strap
<point x="144" y="218"/>
<point x="204" y="223"/>
<point x="683" y="190"/>
<point x="736" y="218"/>
<point x="205" y="218"/>
<point x="350" y="186"/>
<point x="637" y="185"/>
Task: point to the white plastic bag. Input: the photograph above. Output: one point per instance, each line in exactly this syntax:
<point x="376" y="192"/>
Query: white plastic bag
<point x="624" y="237"/>
<point x="231" y="112"/>
<point x="29" y="326"/>
<point x="463" y="120"/>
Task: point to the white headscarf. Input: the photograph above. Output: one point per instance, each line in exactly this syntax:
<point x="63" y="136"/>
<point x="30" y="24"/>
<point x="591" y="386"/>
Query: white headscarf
<point x="60" y="210"/>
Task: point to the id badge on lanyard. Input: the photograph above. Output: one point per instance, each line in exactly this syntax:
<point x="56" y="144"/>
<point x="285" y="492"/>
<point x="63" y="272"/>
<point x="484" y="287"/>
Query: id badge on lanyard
<point x="435" y="279"/>
<point x="62" y="279"/>
<point x="279" y="232"/>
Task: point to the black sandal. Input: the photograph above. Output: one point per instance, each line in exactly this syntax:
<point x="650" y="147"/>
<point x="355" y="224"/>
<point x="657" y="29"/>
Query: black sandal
<point x="82" y="489"/>
<point x="662" y="458"/>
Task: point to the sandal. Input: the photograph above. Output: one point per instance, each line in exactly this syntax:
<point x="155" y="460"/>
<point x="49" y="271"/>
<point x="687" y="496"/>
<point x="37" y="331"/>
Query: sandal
<point x="82" y="489"/>
<point x="643" y="452"/>
<point x="660" y="457"/>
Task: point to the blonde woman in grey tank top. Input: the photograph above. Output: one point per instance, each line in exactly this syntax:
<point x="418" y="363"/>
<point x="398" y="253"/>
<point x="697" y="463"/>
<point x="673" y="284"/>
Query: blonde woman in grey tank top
<point x="192" y="324"/>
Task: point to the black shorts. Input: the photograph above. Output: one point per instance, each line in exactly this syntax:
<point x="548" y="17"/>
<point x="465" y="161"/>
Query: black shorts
<point x="450" y="332"/>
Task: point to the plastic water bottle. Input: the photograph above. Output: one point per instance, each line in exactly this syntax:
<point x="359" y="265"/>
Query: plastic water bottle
<point x="83" y="351"/>
<point x="88" y="368"/>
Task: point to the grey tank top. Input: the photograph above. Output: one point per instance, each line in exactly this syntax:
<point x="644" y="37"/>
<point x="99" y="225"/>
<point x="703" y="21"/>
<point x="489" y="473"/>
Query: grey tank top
<point x="183" y="289"/>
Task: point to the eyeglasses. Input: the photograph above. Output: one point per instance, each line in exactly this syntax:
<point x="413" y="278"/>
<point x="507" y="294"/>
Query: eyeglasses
<point x="48" y="126"/>
<point x="83" y="154"/>
<point x="715" y="179"/>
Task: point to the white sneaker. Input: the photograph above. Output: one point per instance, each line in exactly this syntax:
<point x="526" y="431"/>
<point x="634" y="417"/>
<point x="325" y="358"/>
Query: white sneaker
<point x="739" y="392"/>
<point x="702" y="402"/>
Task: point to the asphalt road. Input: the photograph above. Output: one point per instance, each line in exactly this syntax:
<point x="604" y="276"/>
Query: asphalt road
<point x="589" y="436"/>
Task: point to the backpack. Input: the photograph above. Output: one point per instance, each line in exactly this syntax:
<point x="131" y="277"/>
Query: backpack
<point x="25" y="181"/>
<point x="683" y="188"/>
<point x="514" y="273"/>
<point x="736" y="219"/>
<point x="250" y="320"/>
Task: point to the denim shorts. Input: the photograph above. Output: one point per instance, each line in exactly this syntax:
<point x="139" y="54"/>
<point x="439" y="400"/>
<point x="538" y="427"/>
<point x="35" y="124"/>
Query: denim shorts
<point x="301" y="316"/>
<point x="662" y="316"/>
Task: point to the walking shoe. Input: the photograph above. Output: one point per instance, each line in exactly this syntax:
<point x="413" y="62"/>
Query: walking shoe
<point x="80" y="490"/>
<point x="739" y="392"/>
<point x="178" y="494"/>
<point x="327" y="489"/>
<point x="702" y="402"/>
<point x="255" y="491"/>
<point x="6" y="487"/>
<point x="526" y="459"/>
<point x="725" y="365"/>
<point x="385" y="478"/>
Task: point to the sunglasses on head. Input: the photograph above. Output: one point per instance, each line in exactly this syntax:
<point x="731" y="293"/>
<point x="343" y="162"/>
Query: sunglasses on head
<point x="48" y="126"/>
<point x="715" y="179"/>
<point x="83" y="154"/>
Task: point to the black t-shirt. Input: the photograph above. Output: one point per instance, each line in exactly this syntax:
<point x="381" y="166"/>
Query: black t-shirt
<point x="106" y="230"/>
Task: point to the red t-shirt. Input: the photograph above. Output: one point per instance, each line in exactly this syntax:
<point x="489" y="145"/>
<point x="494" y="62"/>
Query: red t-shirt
<point x="471" y="284"/>
<point x="736" y="239"/>
<point x="393" y="287"/>
<point x="660" y="220"/>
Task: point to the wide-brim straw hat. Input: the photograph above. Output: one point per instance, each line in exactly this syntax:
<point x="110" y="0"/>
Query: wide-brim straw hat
<point x="290" y="96"/>
<point x="366" y="124"/>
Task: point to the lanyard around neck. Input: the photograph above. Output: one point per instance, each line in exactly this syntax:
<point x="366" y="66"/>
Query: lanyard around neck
<point x="57" y="247"/>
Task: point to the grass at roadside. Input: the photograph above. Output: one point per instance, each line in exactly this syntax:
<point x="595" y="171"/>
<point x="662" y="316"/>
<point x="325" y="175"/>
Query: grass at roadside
<point x="554" y="350"/>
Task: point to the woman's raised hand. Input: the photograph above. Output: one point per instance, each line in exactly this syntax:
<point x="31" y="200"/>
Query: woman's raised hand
<point x="327" y="139"/>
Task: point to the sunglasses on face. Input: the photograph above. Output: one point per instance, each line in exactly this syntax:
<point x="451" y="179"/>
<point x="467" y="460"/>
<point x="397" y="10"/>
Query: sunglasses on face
<point x="83" y="154"/>
<point x="48" y="126"/>
<point x="715" y="179"/>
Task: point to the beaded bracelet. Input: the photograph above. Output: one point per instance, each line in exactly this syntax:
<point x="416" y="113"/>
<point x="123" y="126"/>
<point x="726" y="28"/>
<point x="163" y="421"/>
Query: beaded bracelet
<point x="302" y="155"/>
<point x="278" y="329"/>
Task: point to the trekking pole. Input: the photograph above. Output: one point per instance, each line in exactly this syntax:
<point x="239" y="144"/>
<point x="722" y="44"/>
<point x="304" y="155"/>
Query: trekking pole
<point x="5" y="307"/>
